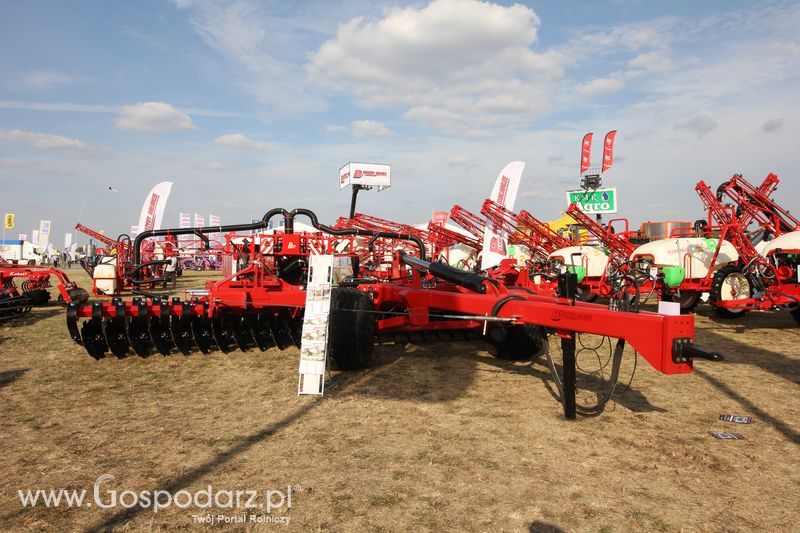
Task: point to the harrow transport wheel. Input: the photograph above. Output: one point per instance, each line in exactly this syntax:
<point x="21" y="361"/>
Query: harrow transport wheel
<point x="516" y="343"/>
<point x="181" y="327"/>
<point x="351" y="335"/>
<point x="77" y="295"/>
<point x="729" y="284"/>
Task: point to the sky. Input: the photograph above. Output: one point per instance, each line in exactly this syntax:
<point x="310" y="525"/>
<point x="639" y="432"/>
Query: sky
<point x="250" y="105"/>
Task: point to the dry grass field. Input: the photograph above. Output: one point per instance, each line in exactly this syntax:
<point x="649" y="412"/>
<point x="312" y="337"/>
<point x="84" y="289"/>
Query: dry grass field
<point x="436" y="437"/>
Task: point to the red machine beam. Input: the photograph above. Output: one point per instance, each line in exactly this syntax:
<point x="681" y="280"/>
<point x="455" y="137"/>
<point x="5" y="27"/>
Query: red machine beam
<point x="108" y="241"/>
<point x="756" y="204"/>
<point x="445" y="237"/>
<point x="733" y="229"/>
<point x="614" y="243"/>
<point x="471" y="222"/>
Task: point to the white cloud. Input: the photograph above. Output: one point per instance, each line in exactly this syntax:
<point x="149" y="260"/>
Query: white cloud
<point x="657" y="61"/>
<point x="700" y="123"/>
<point x="255" y="43"/>
<point x="42" y="80"/>
<point x="363" y="129"/>
<point x="336" y="128"/>
<point x="601" y="86"/>
<point x="773" y="124"/>
<point x="154" y="116"/>
<point x="238" y="141"/>
<point x="457" y="66"/>
<point x="43" y="141"/>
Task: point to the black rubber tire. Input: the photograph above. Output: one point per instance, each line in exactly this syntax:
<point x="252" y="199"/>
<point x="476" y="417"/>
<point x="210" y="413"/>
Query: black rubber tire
<point x="796" y="314"/>
<point x="351" y="332"/>
<point x="516" y="343"/>
<point x="717" y="288"/>
<point x="688" y="300"/>
<point x="587" y="296"/>
<point x="78" y="295"/>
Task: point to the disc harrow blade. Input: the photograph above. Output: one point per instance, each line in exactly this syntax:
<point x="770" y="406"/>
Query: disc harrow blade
<point x="203" y="333"/>
<point x="159" y="329"/>
<point x="139" y="330"/>
<point x="243" y="331"/>
<point x="223" y="332"/>
<point x="181" y="328"/>
<point x="261" y="328"/>
<point x="296" y="330"/>
<point x="281" y="331"/>
<point x="116" y="330"/>
<point x="92" y="333"/>
<point x="72" y="323"/>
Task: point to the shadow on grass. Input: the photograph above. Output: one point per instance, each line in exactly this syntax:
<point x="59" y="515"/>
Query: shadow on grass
<point x="10" y="376"/>
<point x="432" y="372"/>
<point x="739" y="353"/>
<point x="779" y="425"/>
<point x="175" y="484"/>
<point x="35" y="315"/>
<point x="544" y="527"/>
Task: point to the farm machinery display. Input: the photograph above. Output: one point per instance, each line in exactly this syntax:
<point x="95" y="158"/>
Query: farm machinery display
<point x="388" y="287"/>
<point x="114" y="272"/>
<point x="34" y="281"/>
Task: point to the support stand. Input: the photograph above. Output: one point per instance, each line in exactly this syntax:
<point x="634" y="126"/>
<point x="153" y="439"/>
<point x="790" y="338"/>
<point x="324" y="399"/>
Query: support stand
<point x="568" y="351"/>
<point x="356" y="188"/>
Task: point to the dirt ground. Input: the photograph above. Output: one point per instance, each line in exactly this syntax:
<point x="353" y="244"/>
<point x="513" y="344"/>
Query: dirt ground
<point x="439" y="436"/>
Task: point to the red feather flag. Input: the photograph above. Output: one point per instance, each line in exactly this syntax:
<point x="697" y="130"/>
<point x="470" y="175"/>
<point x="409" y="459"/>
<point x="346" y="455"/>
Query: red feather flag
<point x="586" y="150"/>
<point x="608" y="150"/>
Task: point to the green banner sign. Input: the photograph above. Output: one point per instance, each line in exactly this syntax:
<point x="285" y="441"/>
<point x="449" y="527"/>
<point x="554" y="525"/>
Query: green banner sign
<point x="594" y="201"/>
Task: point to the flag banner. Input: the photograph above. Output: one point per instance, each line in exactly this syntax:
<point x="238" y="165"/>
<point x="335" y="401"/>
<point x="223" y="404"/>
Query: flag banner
<point x="9" y="218"/>
<point x="608" y="150"/>
<point x="184" y="220"/>
<point x="213" y="220"/>
<point x="504" y="193"/>
<point x="44" y="232"/>
<point x="586" y="152"/>
<point x="67" y="239"/>
<point x="153" y="208"/>
<point x="440" y="218"/>
<point x="199" y="221"/>
<point x="35" y="236"/>
<point x="134" y="230"/>
<point x="23" y="237"/>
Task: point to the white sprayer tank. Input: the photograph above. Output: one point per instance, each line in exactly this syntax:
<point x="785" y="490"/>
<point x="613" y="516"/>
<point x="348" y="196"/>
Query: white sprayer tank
<point x="788" y="241"/>
<point x="692" y="253"/>
<point x="105" y="275"/>
<point x="594" y="259"/>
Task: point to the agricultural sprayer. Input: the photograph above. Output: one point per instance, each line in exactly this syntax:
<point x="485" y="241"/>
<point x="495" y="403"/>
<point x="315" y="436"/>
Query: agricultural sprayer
<point x="384" y="290"/>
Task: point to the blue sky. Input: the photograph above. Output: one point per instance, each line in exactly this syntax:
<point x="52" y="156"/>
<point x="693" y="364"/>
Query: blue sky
<point x="251" y="105"/>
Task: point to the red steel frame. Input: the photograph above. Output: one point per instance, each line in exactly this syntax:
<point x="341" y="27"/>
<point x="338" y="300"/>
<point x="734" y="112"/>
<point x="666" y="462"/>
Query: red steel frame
<point x="474" y="224"/>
